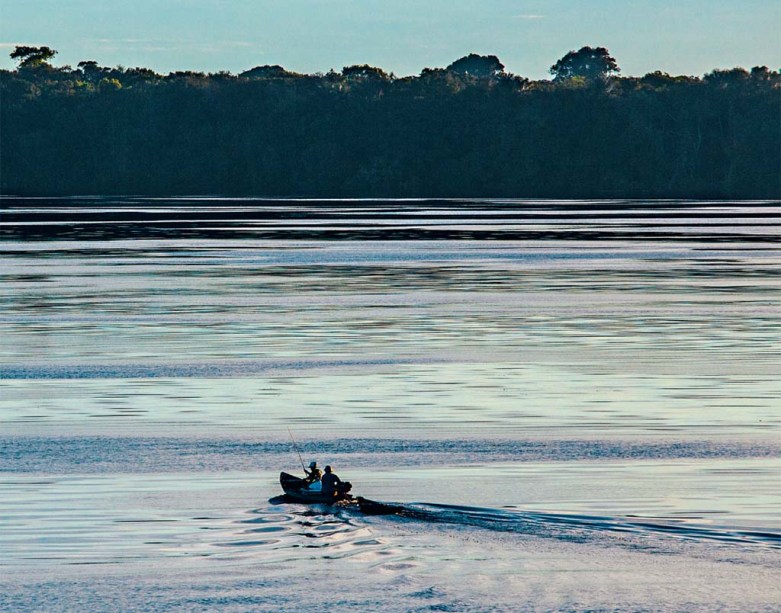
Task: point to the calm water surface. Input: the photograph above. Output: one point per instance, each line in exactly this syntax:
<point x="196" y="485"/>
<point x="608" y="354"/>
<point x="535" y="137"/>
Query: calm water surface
<point x="565" y="395"/>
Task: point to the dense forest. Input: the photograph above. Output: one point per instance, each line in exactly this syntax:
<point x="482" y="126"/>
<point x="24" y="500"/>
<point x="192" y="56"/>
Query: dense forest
<point x="471" y="129"/>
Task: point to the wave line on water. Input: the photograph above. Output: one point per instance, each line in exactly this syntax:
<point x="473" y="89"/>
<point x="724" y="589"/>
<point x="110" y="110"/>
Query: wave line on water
<point x="221" y="369"/>
<point x="578" y="527"/>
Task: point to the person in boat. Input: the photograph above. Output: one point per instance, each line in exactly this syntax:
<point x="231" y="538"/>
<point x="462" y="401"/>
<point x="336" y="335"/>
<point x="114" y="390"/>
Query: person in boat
<point x="314" y="474"/>
<point x="330" y="483"/>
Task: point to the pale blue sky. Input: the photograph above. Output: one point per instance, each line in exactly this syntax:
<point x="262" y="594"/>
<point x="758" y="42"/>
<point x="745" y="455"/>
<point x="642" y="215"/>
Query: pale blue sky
<point x="403" y="36"/>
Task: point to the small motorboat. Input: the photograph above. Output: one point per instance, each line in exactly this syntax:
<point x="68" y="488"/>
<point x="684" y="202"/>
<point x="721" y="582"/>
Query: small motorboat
<point x="299" y="490"/>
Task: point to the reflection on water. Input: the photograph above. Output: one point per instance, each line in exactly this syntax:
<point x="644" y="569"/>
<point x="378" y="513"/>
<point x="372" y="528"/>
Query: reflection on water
<point x="602" y="359"/>
<point x="562" y="331"/>
<point x="107" y="521"/>
<point x="120" y="518"/>
<point x="354" y="220"/>
<point x="411" y="400"/>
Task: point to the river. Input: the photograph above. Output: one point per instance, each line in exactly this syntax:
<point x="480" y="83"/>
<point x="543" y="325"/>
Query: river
<point x="577" y="403"/>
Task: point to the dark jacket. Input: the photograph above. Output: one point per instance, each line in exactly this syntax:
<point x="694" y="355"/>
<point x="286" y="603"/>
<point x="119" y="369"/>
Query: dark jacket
<point x="329" y="482"/>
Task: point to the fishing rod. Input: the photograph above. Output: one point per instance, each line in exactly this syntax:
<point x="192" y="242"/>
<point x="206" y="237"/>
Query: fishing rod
<point x="300" y="459"/>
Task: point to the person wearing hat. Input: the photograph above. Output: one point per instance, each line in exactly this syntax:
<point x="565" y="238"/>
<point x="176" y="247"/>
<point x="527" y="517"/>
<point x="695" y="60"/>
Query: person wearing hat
<point x="313" y="474"/>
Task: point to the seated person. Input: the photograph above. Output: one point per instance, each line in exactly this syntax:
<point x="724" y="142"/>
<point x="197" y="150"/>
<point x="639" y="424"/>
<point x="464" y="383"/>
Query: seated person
<point x="330" y="483"/>
<point x="313" y="474"/>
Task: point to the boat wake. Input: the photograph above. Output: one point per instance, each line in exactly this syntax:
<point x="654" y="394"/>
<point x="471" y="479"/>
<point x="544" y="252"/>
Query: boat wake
<point x="578" y="527"/>
<point x="392" y="536"/>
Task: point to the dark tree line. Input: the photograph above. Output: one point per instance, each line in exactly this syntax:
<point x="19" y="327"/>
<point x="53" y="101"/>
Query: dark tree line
<point x="469" y="130"/>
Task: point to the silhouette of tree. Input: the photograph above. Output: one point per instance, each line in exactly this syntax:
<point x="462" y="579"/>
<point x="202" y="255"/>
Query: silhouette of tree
<point x="135" y="76"/>
<point x="731" y="77"/>
<point x="471" y="130"/>
<point x="364" y="72"/>
<point x="761" y="73"/>
<point x="266" y="72"/>
<point x="480" y="66"/>
<point x="91" y="70"/>
<point x="588" y="62"/>
<point x="32" y="57"/>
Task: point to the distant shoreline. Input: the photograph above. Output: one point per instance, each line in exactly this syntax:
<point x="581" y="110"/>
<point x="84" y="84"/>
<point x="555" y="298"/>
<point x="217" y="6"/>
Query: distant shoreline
<point x="470" y="130"/>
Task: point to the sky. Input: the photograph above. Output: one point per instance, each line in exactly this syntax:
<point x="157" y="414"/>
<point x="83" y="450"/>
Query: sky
<point x="402" y="36"/>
